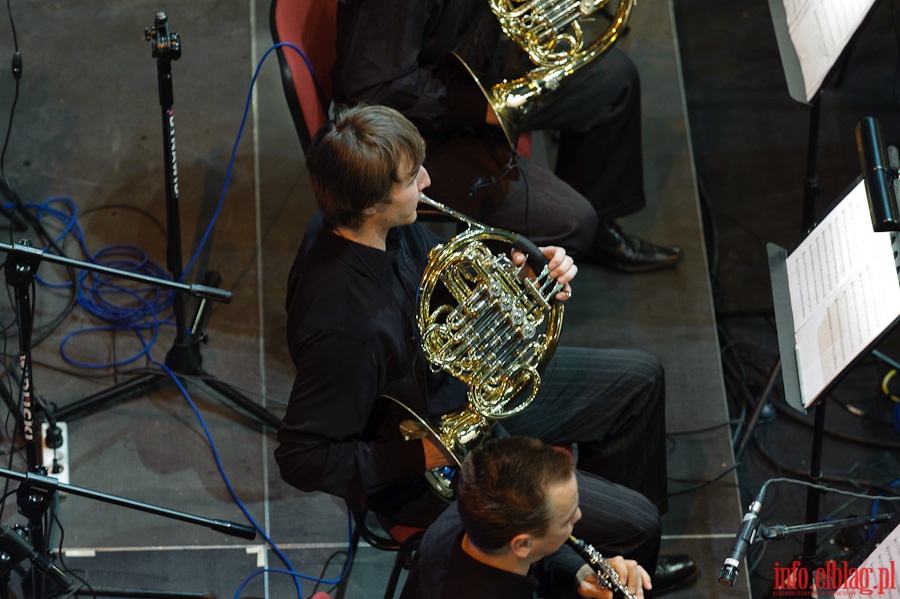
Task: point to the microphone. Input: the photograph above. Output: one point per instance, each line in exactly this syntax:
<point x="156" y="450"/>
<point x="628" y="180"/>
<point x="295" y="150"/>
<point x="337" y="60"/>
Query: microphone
<point x="18" y="549"/>
<point x="745" y="537"/>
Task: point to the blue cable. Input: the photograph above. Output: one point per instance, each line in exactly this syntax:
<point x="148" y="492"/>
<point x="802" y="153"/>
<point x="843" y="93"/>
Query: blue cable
<point x="297" y="575"/>
<point x="893" y="483"/>
<point x="91" y="297"/>
<point x="895" y="416"/>
<point x="93" y="291"/>
<point x="238" y="140"/>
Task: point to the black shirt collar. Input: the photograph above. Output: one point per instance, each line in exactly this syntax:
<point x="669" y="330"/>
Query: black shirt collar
<point x="500" y="583"/>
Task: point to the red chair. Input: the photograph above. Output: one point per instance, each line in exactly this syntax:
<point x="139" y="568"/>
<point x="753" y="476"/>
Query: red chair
<point x="402" y="539"/>
<point x="310" y="26"/>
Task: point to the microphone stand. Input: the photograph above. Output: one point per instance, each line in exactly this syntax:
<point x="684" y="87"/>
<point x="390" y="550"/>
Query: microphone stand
<point x="20" y="269"/>
<point x="779" y="532"/>
<point x="35" y="495"/>
<point x="184" y="356"/>
<point x="34" y="498"/>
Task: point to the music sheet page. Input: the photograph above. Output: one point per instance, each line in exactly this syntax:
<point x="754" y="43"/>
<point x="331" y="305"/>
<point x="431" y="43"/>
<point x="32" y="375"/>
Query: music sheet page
<point x="844" y="292"/>
<point x="820" y="30"/>
<point x="875" y="577"/>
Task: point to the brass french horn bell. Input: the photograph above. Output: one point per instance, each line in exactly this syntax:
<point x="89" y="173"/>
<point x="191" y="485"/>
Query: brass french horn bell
<point x="488" y="325"/>
<point x="552" y="34"/>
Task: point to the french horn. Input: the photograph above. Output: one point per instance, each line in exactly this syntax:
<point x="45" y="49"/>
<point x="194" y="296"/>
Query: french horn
<point x="486" y="323"/>
<point x="552" y="34"/>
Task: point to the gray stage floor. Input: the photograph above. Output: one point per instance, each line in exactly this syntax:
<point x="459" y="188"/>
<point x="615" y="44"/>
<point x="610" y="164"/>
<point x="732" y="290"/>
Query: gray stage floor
<point x="88" y="127"/>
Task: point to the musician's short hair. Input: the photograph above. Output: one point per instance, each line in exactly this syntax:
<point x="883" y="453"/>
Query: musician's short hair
<point x="503" y="489"/>
<point x="355" y="159"/>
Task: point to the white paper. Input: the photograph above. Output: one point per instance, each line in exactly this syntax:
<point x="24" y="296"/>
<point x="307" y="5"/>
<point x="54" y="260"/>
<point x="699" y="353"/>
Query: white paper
<point x="844" y="292"/>
<point x="877" y="575"/>
<point x="819" y="31"/>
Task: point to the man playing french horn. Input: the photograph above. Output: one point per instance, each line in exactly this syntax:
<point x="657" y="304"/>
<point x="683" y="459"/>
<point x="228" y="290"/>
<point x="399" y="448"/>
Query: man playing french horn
<point x="403" y="54"/>
<point x="353" y="338"/>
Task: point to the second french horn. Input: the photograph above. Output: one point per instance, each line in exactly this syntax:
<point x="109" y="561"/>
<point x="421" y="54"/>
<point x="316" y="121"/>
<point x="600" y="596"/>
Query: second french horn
<point x="551" y="32"/>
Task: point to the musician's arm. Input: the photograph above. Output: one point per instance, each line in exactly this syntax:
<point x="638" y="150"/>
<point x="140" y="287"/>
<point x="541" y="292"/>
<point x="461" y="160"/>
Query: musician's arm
<point x="379" y="44"/>
<point x="320" y="446"/>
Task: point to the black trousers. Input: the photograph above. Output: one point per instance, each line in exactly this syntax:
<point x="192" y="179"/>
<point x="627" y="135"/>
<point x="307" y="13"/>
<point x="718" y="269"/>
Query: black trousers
<point x="611" y="403"/>
<point x="598" y="174"/>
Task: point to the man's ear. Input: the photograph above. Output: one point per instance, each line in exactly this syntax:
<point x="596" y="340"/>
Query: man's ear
<point x="371" y="210"/>
<point x="521" y="545"/>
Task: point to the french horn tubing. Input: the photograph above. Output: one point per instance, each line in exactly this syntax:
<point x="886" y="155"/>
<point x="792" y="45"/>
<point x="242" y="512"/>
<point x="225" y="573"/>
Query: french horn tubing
<point x="486" y="323"/>
<point x="552" y="34"/>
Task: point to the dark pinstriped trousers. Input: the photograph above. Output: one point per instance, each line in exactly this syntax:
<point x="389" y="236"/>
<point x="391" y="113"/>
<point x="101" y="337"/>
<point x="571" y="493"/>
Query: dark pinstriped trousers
<point x="612" y="404"/>
<point x="598" y="174"/>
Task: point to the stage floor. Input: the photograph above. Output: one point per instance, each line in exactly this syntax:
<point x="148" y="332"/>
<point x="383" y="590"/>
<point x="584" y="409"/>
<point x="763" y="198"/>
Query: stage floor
<point x="88" y="127"/>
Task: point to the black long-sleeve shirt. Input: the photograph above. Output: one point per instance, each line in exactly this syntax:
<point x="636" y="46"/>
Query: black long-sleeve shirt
<point x="398" y="53"/>
<point x="442" y="570"/>
<point x="352" y="336"/>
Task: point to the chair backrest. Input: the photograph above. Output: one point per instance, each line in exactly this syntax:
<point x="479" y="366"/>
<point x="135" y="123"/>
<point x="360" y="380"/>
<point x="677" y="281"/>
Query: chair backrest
<point x="402" y="539"/>
<point x="310" y="26"/>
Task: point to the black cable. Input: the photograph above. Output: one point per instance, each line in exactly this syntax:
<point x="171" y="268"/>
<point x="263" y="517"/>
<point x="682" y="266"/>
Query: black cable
<point x="322" y="572"/>
<point x="17" y="74"/>
<point x="5" y="188"/>
<point x="703" y="484"/>
<point x="65" y="568"/>
<point x="795" y="416"/>
<point x="831" y="478"/>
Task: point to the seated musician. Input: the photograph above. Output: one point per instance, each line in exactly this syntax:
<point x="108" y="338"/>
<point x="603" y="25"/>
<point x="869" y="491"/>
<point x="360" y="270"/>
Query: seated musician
<point x="516" y="506"/>
<point x="353" y="338"/>
<point x="400" y="53"/>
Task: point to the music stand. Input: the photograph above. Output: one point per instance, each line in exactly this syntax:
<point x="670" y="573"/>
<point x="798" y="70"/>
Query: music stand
<point x="184" y="356"/>
<point x="836" y="295"/>
<point x="809" y="55"/>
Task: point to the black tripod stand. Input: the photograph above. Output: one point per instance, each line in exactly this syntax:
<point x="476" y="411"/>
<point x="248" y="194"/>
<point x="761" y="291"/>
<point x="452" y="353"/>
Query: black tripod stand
<point x="184" y="356"/>
<point x="37" y="493"/>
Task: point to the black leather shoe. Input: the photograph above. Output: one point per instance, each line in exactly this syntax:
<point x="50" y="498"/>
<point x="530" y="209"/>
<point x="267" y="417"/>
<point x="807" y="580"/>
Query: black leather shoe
<point x="615" y="249"/>
<point x="673" y="572"/>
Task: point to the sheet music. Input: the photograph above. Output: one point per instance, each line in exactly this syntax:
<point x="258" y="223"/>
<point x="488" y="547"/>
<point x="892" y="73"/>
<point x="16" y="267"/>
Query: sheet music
<point x="819" y="30"/>
<point x="877" y="575"/>
<point x="844" y="292"/>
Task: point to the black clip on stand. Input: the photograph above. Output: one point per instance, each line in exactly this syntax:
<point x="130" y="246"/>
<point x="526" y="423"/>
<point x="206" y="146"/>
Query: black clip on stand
<point x="184" y="356"/>
<point x="778" y="532"/>
<point x="21" y="267"/>
<point x="37" y="494"/>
